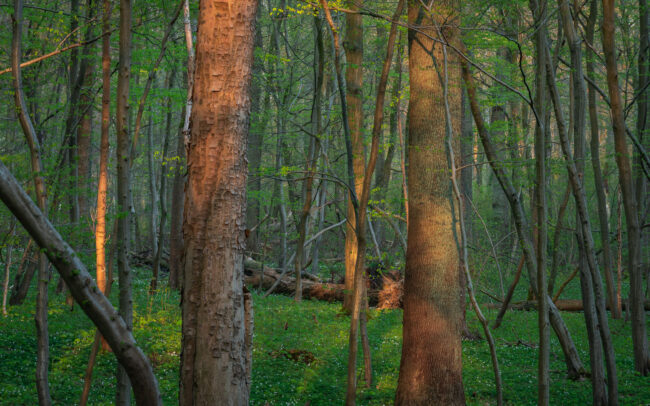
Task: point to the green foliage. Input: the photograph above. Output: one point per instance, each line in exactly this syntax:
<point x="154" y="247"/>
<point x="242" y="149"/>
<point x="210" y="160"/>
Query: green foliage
<point x="299" y="354"/>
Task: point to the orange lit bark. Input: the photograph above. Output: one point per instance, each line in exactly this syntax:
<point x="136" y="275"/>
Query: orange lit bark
<point x="215" y="352"/>
<point x="431" y="365"/>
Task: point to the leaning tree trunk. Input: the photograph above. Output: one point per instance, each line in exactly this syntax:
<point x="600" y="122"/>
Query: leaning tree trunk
<point x="431" y="364"/>
<point x="43" y="351"/>
<point x="215" y="353"/>
<point x="83" y="289"/>
<point x="639" y="335"/>
<point x="574" y="365"/>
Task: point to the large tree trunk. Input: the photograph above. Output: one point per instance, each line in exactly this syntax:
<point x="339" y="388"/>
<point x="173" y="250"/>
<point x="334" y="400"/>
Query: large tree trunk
<point x="625" y="176"/>
<point x="431" y="364"/>
<point x="123" y="392"/>
<point x="214" y="357"/>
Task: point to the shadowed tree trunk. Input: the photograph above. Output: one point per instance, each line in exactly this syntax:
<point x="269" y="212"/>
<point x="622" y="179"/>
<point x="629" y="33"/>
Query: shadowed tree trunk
<point x="43" y="351"/>
<point x="431" y="364"/>
<point x="178" y="196"/>
<point x="575" y="369"/>
<point x="215" y="353"/>
<point x="123" y="392"/>
<point x="625" y="176"/>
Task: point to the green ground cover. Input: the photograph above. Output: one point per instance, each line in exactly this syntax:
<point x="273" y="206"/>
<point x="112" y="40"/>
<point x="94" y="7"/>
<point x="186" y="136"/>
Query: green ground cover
<point x="300" y="355"/>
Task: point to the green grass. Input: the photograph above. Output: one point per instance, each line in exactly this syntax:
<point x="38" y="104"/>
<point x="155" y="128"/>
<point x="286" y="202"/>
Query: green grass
<point x="283" y="327"/>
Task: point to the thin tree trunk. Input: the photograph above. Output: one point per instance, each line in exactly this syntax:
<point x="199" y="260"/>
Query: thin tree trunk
<point x="5" y="286"/>
<point x="539" y="204"/>
<point x="153" y="192"/>
<point x="314" y="151"/>
<point x="178" y="198"/>
<point x="639" y="335"/>
<point x="83" y="289"/>
<point x="215" y="203"/>
<point x="353" y="45"/>
<point x="43" y="352"/>
<point x="102" y="182"/>
<point x="598" y="175"/>
<point x="584" y="231"/>
<point x="152" y="75"/>
<point x="575" y="368"/>
<point x="559" y="230"/>
<point x="163" y="189"/>
<point x="508" y="297"/>
<point x="123" y="391"/>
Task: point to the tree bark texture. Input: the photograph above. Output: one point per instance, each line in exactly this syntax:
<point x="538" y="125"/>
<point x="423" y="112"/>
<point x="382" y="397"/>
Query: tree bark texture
<point x="214" y="357"/>
<point x="431" y="364"/>
<point x="353" y="45"/>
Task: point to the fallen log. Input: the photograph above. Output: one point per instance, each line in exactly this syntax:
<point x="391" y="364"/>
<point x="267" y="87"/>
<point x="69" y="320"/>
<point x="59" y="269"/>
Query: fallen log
<point x="386" y="296"/>
<point x="565" y="305"/>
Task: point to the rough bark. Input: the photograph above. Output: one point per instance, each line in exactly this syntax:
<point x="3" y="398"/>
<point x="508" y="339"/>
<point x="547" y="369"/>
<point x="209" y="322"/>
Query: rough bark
<point x="214" y="356"/>
<point x="431" y="363"/>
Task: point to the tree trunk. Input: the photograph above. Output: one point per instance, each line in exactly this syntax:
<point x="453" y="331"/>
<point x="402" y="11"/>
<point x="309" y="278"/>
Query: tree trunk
<point x="43" y="351"/>
<point x="431" y="364"/>
<point x="102" y="182"/>
<point x="353" y="45"/>
<point x="83" y="289"/>
<point x="312" y="154"/>
<point x="5" y="285"/>
<point x="598" y="174"/>
<point x="178" y="197"/>
<point x="625" y="176"/>
<point x="123" y="392"/>
<point x="538" y="8"/>
<point x="574" y="365"/>
<point x="214" y="357"/>
<point x="592" y="282"/>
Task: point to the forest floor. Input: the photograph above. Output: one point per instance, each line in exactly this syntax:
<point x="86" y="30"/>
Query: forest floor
<point x="299" y="356"/>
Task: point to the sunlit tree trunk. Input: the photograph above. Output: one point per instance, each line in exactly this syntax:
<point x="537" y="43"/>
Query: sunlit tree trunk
<point x="353" y="45"/>
<point x="431" y="364"/>
<point x="102" y="182"/>
<point x="214" y="355"/>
